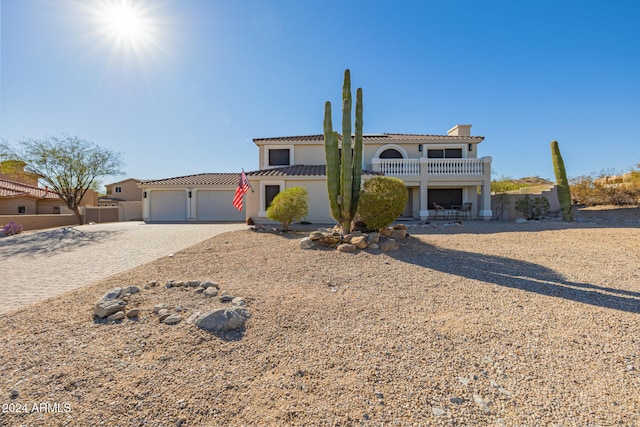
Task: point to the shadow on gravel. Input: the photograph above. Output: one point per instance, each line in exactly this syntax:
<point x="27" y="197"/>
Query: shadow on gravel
<point x="514" y="273"/>
<point x="51" y="241"/>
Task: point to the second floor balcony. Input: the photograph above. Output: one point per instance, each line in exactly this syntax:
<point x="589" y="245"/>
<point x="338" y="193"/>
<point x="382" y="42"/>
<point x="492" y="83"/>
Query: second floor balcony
<point x="417" y="167"/>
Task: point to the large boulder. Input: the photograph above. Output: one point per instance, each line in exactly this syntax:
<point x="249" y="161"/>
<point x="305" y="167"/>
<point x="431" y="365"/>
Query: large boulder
<point x="221" y="319"/>
<point x="109" y="304"/>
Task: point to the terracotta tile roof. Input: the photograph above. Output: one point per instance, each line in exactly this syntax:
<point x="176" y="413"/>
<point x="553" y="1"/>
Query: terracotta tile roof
<point x="17" y="189"/>
<point x="369" y="137"/>
<point x="319" y="138"/>
<point x="299" y="170"/>
<point x="199" y="179"/>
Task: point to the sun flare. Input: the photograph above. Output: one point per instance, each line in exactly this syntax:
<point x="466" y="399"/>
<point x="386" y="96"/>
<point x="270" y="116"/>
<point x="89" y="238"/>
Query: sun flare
<point x="127" y="25"/>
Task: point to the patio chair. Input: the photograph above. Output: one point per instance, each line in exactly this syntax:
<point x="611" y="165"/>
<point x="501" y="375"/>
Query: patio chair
<point x="465" y="211"/>
<point x="439" y="210"/>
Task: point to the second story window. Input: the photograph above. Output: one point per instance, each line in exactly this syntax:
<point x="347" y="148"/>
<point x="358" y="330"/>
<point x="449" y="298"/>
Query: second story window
<point x="118" y="189"/>
<point x="448" y="153"/>
<point x="279" y="157"/>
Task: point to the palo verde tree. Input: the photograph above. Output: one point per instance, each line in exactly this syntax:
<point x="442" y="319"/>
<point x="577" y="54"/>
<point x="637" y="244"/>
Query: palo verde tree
<point x="67" y="165"/>
<point x="344" y="169"/>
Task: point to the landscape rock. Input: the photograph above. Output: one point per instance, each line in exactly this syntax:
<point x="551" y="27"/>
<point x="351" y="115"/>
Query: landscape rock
<point x="116" y="316"/>
<point x="346" y="247"/>
<point x="208" y="284"/>
<point x="221" y="319"/>
<point x="307" y="243"/>
<point x="373" y="237"/>
<point x="390" y="245"/>
<point x="109" y="304"/>
<point x="158" y="307"/>
<point x="329" y="240"/>
<point x="398" y="234"/>
<point x="238" y="301"/>
<point x="521" y="221"/>
<point x="172" y="319"/>
<point x="359" y="242"/>
<point x="211" y="292"/>
<point x="134" y="312"/>
<point x="316" y="235"/>
<point x="130" y="290"/>
<point x="226" y="297"/>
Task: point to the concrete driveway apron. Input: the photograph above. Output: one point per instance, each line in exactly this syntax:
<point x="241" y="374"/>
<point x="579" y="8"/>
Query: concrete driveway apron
<point x="39" y="265"/>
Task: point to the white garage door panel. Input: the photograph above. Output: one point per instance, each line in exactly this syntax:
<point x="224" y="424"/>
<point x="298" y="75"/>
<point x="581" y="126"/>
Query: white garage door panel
<point x="216" y="206"/>
<point x="168" y="205"/>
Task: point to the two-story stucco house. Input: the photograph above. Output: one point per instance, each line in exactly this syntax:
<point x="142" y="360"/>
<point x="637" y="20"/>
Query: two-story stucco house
<point x="441" y="169"/>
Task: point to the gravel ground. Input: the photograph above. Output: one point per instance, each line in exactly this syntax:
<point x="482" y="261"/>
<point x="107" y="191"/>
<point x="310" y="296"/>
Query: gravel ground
<point x="494" y="324"/>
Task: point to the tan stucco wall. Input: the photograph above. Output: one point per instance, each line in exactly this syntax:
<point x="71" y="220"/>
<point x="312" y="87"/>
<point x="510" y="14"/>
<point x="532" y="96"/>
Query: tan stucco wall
<point x="9" y="206"/>
<point x="39" y="222"/>
<point x="510" y="213"/>
<point x="309" y="155"/>
<point x="130" y="190"/>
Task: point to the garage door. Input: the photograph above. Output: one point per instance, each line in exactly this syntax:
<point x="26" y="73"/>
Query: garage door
<point x="216" y="206"/>
<point x="168" y="205"/>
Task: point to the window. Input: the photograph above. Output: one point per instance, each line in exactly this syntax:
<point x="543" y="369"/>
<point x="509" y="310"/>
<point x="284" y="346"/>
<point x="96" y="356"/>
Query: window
<point x="390" y="153"/>
<point x="22" y="209"/>
<point x="270" y="192"/>
<point x="279" y="157"/>
<point x="118" y="189"/>
<point x="448" y="153"/>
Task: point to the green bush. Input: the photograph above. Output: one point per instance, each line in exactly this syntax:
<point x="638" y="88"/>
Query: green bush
<point x="382" y="200"/>
<point x="289" y="205"/>
<point x="533" y="208"/>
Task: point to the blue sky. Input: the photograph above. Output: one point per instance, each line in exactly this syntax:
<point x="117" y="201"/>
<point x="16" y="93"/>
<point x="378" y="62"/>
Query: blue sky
<point x="197" y="80"/>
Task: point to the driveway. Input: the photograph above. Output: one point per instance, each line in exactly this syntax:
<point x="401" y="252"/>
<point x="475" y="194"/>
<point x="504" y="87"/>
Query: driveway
<point x="38" y="265"/>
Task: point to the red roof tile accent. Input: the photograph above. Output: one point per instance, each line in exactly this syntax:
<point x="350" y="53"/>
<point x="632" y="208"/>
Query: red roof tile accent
<point x="198" y="179"/>
<point x="18" y="189"/>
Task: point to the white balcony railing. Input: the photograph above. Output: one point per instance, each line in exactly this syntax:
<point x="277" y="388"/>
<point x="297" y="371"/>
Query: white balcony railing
<point x="397" y="166"/>
<point x="431" y="166"/>
<point x="454" y="167"/>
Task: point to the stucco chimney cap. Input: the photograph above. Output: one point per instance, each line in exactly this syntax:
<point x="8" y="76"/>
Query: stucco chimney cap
<point x="460" y="130"/>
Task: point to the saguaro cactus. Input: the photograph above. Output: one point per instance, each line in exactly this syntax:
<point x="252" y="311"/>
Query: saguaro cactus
<point x="564" y="192"/>
<point x="344" y="173"/>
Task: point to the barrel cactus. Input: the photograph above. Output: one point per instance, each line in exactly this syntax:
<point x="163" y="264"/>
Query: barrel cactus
<point x="344" y="171"/>
<point x="562" y="183"/>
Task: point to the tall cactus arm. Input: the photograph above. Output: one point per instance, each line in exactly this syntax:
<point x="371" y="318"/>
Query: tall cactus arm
<point x="347" y="156"/>
<point x="332" y="162"/>
<point x="357" y="154"/>
<point x="564" y="192"/>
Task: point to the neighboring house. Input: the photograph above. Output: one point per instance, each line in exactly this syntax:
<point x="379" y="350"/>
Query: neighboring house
<point x="17" y="198"/>
<point x="124" y="195"/>
<point x="204" y="197"/>
<point x="442" y="169"/>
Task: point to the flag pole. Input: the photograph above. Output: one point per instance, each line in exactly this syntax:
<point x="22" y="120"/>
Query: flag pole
<point x="250" y="186"/>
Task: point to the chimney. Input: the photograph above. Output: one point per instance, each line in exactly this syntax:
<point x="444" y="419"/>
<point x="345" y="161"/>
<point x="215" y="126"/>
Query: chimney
<point x="460" y="130"/>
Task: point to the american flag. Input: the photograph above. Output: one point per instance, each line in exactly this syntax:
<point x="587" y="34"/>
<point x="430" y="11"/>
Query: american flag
<point x="243" y="187"/>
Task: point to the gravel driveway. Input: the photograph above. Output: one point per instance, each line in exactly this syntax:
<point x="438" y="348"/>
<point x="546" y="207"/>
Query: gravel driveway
<point x="39" y="265"/>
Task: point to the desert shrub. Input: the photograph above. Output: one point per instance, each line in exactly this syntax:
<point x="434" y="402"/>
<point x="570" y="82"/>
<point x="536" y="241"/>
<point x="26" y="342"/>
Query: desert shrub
<point x="11" y="228"/>
<point x="532" y="208"/>
<point x="594" y="189"/>
<point x="382" y="200"/>
<point x="289" y="205"/>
